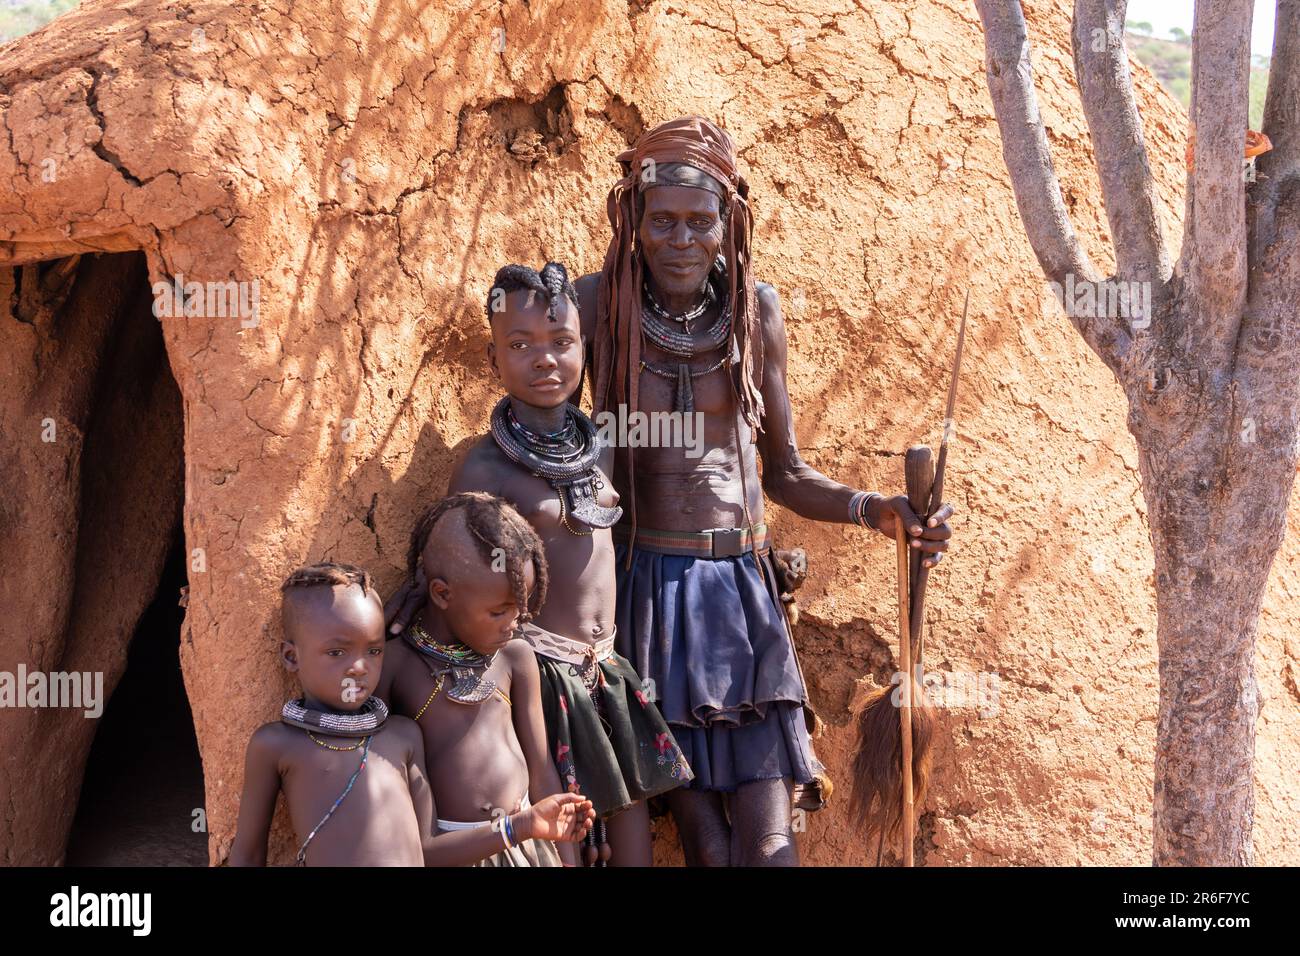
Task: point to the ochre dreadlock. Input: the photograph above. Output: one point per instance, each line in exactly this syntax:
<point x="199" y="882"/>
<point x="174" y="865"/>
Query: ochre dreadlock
<point x="327" y="574"/>
<point x="552" y="282"/>
<point x="498" y="529"/>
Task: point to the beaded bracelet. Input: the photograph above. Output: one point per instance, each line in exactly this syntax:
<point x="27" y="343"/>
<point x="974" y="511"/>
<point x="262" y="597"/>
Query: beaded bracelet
<point x="867" y="504"/>
<point x="858" y="506"/>
<point x="499" y="825"/>
<point x="855" y="510"/>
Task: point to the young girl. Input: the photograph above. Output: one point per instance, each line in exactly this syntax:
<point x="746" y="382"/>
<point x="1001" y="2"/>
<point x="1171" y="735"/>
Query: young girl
<point x="605" y="733"/>
<point x="473" y="690"/>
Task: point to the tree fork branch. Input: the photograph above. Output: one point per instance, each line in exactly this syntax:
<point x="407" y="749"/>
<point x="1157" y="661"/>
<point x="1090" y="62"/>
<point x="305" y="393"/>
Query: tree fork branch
<point x="1128" y="189"/>
<point x="1277" y="171"/>
<point x="1214" y="247"/>
<point x="1033" y="177"/>
<point x="1282" y="105"/>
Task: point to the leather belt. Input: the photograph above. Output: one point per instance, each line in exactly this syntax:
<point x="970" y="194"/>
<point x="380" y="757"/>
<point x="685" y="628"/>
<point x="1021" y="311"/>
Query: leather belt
<point x="713" y="543"/>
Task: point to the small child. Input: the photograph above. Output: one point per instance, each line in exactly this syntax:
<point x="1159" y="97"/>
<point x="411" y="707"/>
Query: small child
<point x="352" y="774"/>
<point x="470" y="687"/>
<point x="543" y="455"/>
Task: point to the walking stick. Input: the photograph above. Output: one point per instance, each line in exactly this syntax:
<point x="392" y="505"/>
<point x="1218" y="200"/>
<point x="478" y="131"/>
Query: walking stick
<point x="905" y="711"/>
<point x="891" y="765"/>
<point x="935" y="494"/>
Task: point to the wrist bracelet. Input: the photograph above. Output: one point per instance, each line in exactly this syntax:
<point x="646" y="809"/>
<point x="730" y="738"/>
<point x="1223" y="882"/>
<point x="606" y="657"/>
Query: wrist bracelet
<point x="510" y="832"/>
<point x="858" y="506"/>
<point x="855" y="508"/>
<point x="499" y="826"/>
<point x="867" y="504"/>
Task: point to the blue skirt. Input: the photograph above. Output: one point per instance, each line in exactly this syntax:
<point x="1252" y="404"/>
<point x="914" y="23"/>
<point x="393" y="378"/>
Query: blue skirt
<point x="711" y="635"/>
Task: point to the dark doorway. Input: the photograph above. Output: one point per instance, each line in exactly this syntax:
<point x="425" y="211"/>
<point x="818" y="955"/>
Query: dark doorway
<point x="109" y="490"/>
<point x="144" y="780"/>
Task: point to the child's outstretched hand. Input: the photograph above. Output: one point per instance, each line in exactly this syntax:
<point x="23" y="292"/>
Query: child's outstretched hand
<point x="561" y="816"/>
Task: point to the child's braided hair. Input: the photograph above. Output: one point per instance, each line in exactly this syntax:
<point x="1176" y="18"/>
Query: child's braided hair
<point x="552" y="282"/>
<point x="328" y="574"/>
<point x="497" y="528"/>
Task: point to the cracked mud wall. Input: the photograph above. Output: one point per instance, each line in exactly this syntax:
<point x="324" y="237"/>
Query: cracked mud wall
<point x="370" y="164"/>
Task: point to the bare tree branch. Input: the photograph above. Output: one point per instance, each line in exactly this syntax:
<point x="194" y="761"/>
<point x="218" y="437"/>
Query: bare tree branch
<point x="1277" y="171"/>
<point x="1128" y="189"/>
<point x="1033" y="178"/>
<point x="1264" y="373"/>
<point x="1214" y="246"/>
<point x="1282" y="107"/>
<point x="1267" y="387"/>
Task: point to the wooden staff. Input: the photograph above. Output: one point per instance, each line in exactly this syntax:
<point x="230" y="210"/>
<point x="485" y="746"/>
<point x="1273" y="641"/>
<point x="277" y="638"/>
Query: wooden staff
<point x="935" y="491"/>
<point x="890" y="769"/>
<point x="905" y="716"/>
<point x="918" y="468"/>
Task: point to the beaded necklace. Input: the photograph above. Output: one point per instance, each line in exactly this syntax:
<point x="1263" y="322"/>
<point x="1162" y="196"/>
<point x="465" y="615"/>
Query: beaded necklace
<point x="685" y="318"/>
<point x="565" y="458"/>
<point x="366" y="720"/>
<point x="564" y="441"/>
<point x="466" y="666"/>
<point x="365" y="753"/>
<point x="654" y="327"/>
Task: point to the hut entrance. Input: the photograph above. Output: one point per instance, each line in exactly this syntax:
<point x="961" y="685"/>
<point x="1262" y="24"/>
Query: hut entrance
<point x="143" y="780"/>
<point x="142" y="795"/>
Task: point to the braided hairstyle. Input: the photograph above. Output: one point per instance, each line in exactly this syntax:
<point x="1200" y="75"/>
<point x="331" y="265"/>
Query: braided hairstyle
<point x="497" y="528"/>
<point x="552" y="282"/>
<point x="327" y="574"/>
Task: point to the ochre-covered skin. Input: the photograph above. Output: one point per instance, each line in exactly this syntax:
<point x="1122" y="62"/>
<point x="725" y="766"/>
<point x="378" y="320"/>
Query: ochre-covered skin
<point x="372" y="165"/>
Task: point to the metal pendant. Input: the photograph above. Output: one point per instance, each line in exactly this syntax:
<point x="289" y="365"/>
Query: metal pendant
<point x="468" y="687"/>
<point x="685" y="399"/>
<point x="581" y="496"/>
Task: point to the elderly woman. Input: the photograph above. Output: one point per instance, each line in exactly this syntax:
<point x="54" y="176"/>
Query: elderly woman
<point x="677" y="323"/>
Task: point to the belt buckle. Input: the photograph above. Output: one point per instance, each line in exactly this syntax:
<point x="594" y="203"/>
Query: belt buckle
<point x="728" y="542"/>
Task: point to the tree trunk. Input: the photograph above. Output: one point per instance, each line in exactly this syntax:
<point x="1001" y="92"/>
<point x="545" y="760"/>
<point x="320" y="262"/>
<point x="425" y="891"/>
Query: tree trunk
<point x="1209" y="373"/>
<point x="1205" y="738"/>
<point x="1218" y="486"/>
<point x="1211" y="569"/>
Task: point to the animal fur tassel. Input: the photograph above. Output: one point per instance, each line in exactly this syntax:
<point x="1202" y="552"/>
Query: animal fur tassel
<point x="885" y="795"/>
<point x="876" y="805"/>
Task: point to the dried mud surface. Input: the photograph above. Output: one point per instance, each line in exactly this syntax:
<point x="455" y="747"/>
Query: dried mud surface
<point x="372" y="162"/>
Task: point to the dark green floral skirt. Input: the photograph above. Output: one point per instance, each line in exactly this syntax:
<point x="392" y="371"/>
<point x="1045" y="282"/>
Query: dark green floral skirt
<point x="610" y="744"/>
